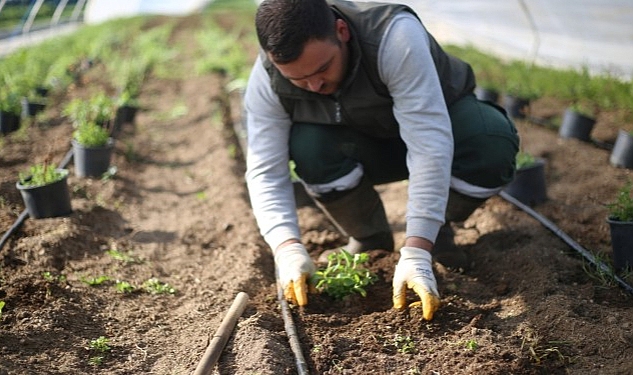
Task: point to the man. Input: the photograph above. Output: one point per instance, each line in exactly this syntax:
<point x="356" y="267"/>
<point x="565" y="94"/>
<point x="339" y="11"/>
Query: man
<point x="359" y="94"/>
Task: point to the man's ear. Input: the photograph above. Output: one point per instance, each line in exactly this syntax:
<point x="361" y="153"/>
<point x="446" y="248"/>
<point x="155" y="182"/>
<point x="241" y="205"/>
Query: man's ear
<point x="342" y="31"/>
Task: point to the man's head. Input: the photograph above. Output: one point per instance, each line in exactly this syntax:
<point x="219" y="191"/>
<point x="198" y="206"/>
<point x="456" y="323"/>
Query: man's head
<point x="305" y="41"/>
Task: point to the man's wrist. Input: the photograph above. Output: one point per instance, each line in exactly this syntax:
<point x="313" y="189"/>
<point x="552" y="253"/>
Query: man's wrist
<point x="419" y="242"/>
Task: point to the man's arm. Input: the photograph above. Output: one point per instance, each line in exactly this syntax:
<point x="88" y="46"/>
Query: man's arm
<point x="407" y="68"/>
<point x="267" y="170"/>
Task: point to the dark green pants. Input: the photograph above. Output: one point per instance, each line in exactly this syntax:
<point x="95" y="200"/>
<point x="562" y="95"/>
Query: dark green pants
<point x="486" y="143"/>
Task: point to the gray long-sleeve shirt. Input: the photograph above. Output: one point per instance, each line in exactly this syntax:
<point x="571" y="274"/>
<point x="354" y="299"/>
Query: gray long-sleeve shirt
<point x="424" y="126"/>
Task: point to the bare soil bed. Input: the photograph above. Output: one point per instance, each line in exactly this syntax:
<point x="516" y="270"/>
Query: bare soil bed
<point x="178" y="207"/>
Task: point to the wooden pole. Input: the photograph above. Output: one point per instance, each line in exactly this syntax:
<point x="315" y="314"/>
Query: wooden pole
<point x="221" y="336"/>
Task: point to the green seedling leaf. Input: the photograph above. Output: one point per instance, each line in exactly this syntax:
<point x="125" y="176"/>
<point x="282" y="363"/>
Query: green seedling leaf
<point x="124" y="287"/>
<point x="344" y="275"/>
<point x="95" y="281"/>
<point x="155" y="286"/>
<point x="1" y="307"/>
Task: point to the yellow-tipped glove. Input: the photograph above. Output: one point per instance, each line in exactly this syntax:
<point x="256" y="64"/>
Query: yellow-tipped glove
<point x="415" y="271"/>
<point x="294" y="268"/>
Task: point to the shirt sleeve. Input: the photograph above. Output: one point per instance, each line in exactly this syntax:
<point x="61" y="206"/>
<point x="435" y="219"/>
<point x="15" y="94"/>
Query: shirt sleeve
<point x="267" y="170"/>
<point x="406" y="66"/>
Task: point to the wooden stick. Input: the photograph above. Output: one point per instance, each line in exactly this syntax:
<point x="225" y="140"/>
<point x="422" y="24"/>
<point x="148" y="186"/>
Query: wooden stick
<point x="221" y="336"/>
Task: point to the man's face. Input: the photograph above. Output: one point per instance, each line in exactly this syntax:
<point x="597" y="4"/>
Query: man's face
<point x="322" y="65"/>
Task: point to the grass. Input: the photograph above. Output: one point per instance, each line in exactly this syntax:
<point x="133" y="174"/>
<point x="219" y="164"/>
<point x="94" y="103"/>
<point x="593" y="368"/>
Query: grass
<point x="603" y="92"/>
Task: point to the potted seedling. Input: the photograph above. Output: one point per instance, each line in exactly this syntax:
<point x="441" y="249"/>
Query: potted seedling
<point x="528" y="185"/>
<point x="44" y="190"/>
<point x="344" y="275"/>
<point x="9" y="112"/>
<point x="620" y="221"/>
<point x="92" y="149"/>
<point x="578" y="121"/>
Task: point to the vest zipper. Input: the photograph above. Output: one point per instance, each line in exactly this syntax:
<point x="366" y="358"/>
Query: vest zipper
<point x="337" y="115"/>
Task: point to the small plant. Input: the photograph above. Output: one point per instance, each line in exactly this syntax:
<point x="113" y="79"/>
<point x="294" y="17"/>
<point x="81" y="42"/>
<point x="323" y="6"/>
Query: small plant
<point x="122" y="257"/>
<point x="50" y="277"/>
<point x="583" y="108"/>
<point x="89" y="134"/>
<point x="124" y="287"/>
<point x="621" y="209"/>
<point x="100" y="109"/>
<point x="1" y="307"/>
<point x="344" y="275"/>
<point x="524" y="160"/>
<point x="95" y="281"/>
<point x="471" y="345"/>
<point x="99" y="346"/>
<point x="155" y="286"/>
<point x="404" y="344"/>
<point x="40" y="175"/>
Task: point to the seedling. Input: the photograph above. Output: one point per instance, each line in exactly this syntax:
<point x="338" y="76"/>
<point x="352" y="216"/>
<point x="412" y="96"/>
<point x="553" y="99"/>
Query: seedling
<point x="471" y="345"/>
<point x="122" y="257"/>
<point x="155" y="286"/>
<point x="40" y="175"/>
<point x="124" y="287"/>
<point x="95" y="281"/>
<point x="524" y="160"/>
<point x="621" y="209"/>
<point x="89" y="134"/>
<point x="100" y="347"/>
<point x="344" y="275"/>
<point x="404" y="344"/>
<point x="1" y="307"/>
<point x="48" y="276"/>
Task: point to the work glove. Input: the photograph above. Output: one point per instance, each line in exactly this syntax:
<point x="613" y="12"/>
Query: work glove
<point x="415" y="270"/>
<point x="294" y="268"/>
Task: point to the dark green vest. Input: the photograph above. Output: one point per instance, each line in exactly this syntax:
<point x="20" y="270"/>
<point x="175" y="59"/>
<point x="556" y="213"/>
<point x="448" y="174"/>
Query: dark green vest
<point x="363" y="101"/>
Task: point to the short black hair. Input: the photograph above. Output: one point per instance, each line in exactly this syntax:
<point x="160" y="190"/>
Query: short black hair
<point x="284" y="26"/>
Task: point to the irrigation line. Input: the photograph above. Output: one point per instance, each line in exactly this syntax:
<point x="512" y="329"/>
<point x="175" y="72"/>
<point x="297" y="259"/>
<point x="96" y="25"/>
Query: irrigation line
<point x="570" y="241"/>
<point x="24" y="214"/>
<point x="291" y="331"/>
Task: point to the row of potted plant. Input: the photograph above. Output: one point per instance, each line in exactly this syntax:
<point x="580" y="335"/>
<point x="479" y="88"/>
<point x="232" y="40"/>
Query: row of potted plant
<point x="529" y="187"/>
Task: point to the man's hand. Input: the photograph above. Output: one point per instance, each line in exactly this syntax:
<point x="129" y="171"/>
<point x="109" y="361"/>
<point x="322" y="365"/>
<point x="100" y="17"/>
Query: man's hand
<point x="415" y="270"/>
<point x="294" y="267"/>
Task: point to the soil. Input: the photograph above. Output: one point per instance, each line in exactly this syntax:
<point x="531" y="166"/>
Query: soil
<point x="178" y="207"/>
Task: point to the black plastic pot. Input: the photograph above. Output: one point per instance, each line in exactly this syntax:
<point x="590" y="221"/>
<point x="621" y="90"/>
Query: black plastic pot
<point x="529" y="185"/>
<point x="485" y="94"/>
<point x="621" y="243"/>
<point x="31" y="108"/>
<point x="9" y="122"/>
<point x="92" y="161"/>
<point x="576" y="125"/>
<point x="622" y="153"/>
<point x="516" y="107"/>
<point x="50" y="200"/>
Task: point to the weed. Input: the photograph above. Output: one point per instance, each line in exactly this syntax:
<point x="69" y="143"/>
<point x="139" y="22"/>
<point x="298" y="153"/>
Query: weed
<point x="602" y="275"/>
<point x="317" y="349"/>
<point x="344" y="275"/>
<point x="1" y="307"/>
<point x="155" y="286"/>
<point x="539" y="351"/>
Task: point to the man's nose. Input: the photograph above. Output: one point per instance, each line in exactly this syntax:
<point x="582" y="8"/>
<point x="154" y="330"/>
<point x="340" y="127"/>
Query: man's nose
<point x="314" y="84"/>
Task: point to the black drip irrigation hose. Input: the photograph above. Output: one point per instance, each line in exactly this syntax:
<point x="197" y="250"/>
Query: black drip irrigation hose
<point x="570" y="241"/>
<point x="24" y="214"/>
<point x="291" y="331"/>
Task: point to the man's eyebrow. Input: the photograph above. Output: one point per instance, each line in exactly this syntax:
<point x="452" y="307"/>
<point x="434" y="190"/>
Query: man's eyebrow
<point x="321" y="69"/>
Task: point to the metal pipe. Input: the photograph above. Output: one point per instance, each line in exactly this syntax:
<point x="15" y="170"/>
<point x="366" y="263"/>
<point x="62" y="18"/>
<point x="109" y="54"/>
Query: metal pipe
<point x="575" y="245"/>
<point x="221" y="336"/>
<point x="58" y="12"/>
<point x="29" y="21"/>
